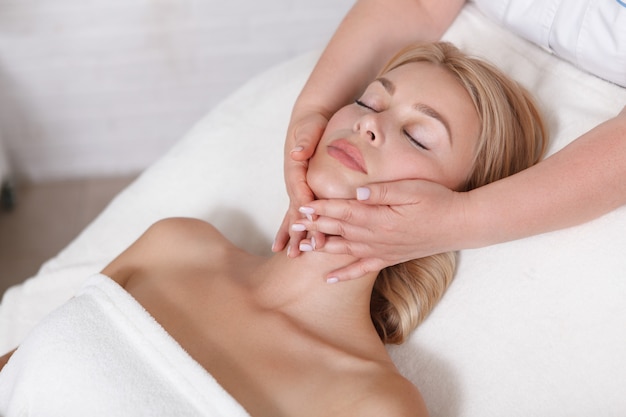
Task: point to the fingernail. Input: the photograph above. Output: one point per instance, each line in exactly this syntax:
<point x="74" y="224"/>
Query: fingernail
<point x="298" y="149"/>
<point x="297" y="227"/>
<point x="288" y="251"/>
<point x="305" y="247"/>
<point x="362" y="193"/>
<point x="332" y="280"/>
<point x="313" y="243"/>
<point x="306" y="210"/>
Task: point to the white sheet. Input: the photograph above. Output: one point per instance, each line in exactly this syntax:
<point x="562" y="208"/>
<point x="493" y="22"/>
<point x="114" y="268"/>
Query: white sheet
<point x="531" y="327"/>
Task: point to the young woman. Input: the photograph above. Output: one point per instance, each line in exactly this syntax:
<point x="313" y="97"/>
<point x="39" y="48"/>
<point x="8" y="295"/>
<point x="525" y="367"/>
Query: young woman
<point x="270" y="331"/>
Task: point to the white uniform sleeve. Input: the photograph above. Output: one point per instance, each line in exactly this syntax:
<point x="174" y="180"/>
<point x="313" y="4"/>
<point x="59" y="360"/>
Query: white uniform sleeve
<point x="590" y="34"/>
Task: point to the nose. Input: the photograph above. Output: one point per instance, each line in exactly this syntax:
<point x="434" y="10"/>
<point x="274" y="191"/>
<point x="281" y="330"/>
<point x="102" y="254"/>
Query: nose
<point x="369" y="128"/>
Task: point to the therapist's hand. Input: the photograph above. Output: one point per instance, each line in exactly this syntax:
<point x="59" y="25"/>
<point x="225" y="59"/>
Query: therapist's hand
<point x="303" y="135"/>
<point x="389" y="223"/>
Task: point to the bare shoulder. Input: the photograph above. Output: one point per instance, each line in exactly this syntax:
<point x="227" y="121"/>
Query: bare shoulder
<point x="392" y="396"/>
<point x="5" y="358"/>
<point x="171" y="244"/>
<point x="189" y="232"/>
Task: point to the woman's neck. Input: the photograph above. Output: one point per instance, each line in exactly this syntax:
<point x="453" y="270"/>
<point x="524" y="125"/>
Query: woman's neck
<point x="297" y="287"/>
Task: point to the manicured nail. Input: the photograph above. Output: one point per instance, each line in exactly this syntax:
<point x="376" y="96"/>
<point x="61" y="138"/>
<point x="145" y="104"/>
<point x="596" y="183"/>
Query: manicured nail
<point x="332" y="280"/>
<point x="305" y="247"/>
<point x="297" y="149"/>
<point x="306" y="210"/>
<point x="288" y="251"/>
<point x="362" y="193"/>
<point x="297" y="227"/>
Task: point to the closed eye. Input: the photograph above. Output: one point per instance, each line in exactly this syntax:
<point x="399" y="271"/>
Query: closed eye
<point x="414" y="141"/>
<point x="362" y="104"/>
<point x="411" y="139"/>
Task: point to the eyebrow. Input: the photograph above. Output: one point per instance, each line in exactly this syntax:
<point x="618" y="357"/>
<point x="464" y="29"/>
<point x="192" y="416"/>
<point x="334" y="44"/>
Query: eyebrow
<point x="421" y="107"/>
<point x="388" y="85"/>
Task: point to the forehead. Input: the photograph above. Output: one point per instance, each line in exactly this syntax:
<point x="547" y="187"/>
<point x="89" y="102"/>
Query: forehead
<point x="424" y="75"/>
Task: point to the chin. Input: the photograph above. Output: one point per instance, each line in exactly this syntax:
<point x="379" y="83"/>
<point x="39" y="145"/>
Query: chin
<point x="329" y="179"/>
<point x="326" y="188"/>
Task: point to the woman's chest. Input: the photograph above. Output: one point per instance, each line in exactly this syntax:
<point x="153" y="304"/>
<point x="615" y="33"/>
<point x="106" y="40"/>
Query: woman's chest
<point x="261" y="358"/>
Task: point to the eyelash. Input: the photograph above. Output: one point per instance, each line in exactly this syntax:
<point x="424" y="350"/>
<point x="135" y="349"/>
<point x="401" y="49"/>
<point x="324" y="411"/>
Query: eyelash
<point x="360" y="103"/>
<point x="409" y="137"/>
<point x="415" y="141"/>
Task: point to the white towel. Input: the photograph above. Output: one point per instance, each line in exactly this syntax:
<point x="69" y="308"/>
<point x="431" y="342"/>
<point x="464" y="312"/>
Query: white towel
<point x="102" y="354"/>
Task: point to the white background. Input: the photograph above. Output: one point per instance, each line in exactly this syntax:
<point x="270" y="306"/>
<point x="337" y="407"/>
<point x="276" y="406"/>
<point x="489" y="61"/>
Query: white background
<point x="103" y="87"/>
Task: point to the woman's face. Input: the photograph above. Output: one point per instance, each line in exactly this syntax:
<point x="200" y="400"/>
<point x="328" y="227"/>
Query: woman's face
<point x="415" y="122"/>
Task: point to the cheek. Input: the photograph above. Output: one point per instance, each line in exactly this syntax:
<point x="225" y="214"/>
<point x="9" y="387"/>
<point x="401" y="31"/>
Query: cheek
<point x="457" y="174"/>
<point x="406" y="166"/>
<point x="464" y="164"/>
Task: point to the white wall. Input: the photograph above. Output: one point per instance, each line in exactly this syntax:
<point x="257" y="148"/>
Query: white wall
<point x="103" y="87"/>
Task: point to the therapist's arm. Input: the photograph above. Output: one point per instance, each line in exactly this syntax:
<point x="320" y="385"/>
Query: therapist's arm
<point x="369" y="35"/>
<point x="584" y="180"/>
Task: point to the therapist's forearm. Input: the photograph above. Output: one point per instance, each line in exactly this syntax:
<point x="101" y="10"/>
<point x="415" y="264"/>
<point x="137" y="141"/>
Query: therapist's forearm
<point x="584" y="180"/>
<point x="371" y="32"/>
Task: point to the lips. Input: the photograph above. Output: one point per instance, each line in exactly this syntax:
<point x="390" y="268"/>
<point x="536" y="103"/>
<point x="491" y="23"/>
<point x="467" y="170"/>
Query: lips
<point x="348" y="154"/>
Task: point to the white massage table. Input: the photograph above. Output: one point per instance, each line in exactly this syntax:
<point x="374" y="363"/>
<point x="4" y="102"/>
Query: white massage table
<point x="535" y="327"/>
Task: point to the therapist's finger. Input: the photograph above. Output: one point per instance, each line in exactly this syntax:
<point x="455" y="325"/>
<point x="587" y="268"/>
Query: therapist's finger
<point x="319" y="239"/>
<point x="355" y="270"/>
<point x="299" y="193"/>
<point x="307" y="134"/>
<point x="393" y="193"/>
<point x="349" y="211"/>
<point x="293" y="247"/>
<point x="287" y="237"/>
<point x="302" y="243"/>
<point x="333" y="227"/>
<point x="340" y="246"/>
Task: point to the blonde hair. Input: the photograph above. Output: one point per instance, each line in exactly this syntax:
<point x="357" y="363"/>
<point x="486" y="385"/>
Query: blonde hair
<point x="512" y="137"/>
